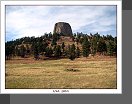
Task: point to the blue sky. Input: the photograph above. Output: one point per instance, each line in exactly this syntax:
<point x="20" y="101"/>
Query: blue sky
<point x="24" y="21"/>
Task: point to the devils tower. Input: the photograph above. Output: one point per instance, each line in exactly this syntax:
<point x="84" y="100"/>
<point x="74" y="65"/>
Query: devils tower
<point x="63" y="28"/>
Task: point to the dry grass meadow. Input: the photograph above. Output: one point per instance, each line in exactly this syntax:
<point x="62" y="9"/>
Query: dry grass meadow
<point x="97" y="72"/>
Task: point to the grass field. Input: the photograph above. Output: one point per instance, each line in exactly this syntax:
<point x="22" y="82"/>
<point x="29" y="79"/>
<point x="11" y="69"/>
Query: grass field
<point x="98" y="72"/>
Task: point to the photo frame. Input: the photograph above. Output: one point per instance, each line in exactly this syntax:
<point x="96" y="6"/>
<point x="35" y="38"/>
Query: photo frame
<point x="118" y="90"/>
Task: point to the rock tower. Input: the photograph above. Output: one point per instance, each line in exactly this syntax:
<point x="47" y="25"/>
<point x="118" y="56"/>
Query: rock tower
<point x="63" y="28"/>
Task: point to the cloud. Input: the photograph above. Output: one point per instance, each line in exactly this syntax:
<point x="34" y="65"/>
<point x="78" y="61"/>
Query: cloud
<point x="36" y="20"/>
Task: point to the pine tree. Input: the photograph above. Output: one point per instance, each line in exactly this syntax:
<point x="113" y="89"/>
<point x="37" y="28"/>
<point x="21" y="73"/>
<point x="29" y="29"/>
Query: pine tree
<point x="93" y="46"/>
<point x="9" y="50"/>
<point x="72" y="54"/>
<point x="57" y="51"/>
<point x="53" y="42"/>
<point x="17" y="51"/>
<point x="36" y="51"/>
<point x="27" y="49"/>
<point x="63" y="46"/>
<point x="86" y="47"/>
<point x="77" y="52"/>
<point x="115" y="46"/>
<point x="110" y="48"/>
<point x="48" y="52"/>
<point x="101" y="47"/>
<point x="22" y="51"/>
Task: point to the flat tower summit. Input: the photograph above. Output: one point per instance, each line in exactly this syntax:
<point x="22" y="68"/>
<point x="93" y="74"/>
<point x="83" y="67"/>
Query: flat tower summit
<point x="63" y="28"/>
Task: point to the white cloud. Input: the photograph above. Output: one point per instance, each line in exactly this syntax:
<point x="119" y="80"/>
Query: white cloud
<point x="36" y="20"/>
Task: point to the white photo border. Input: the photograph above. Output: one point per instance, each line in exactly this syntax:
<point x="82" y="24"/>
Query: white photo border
<point x="63" y="91"/>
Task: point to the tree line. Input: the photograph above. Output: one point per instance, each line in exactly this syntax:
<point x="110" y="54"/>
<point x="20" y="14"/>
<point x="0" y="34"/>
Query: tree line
<point x="46" y="45"/>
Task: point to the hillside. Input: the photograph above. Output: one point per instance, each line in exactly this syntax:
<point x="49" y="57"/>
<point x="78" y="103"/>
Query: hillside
<point x="58" y="45"/>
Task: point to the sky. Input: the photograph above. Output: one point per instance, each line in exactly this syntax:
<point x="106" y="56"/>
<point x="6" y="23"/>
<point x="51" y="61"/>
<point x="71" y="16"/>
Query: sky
<point x="30" y="21"/>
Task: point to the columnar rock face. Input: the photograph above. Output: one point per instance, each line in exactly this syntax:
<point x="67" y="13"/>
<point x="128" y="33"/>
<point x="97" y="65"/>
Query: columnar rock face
<point x="63" y="28"/>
